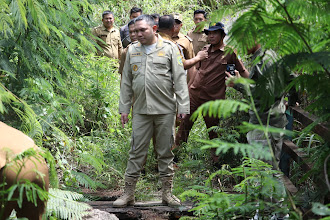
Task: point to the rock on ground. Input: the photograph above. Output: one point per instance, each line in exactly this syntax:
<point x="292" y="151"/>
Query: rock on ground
<point x="96" y="214"/>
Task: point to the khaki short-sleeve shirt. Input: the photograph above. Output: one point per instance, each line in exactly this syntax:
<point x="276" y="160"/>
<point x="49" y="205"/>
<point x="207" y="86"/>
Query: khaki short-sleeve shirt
<point x="186" y="44"/>
<point x="199" y="40"/>
<point x="110" y="41"/>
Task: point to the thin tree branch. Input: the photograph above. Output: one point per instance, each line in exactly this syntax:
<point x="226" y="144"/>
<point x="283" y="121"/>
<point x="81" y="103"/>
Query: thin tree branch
<point x="325" y="172"/>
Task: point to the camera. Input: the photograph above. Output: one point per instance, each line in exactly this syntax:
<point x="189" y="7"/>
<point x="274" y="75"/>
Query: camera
<point x="231" y="69"/>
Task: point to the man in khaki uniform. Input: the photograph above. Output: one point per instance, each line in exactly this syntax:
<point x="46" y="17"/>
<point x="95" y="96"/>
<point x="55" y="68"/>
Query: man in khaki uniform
<point x="199" y="38"/>
<point x="31" y="168"/>
<point x="154" y="78"/>
<point x="110" y="37"/>
<point x="184" y="41"/>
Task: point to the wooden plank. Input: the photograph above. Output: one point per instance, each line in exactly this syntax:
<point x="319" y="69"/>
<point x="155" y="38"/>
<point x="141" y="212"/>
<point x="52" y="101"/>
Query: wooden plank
<point x="301" y="159"/>
<point x="135" y="212"/>
<point x="306" y="119"/>
<point x="289" y="185"/>
<point x="298" y="156"/>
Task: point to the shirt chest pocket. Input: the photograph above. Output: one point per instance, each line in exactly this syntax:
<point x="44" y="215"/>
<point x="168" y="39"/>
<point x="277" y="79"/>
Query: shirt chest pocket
<point x="103" y="38"/>
<point x="161" y="65"/>
<point x="135" y="63"/>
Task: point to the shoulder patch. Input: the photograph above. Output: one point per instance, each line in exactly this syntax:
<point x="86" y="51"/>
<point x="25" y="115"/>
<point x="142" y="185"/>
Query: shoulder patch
<point x="167" y="41"/>
<point x="180" y="61"/>
<point x="161" y="53"/>
<point x="188" y="38"/>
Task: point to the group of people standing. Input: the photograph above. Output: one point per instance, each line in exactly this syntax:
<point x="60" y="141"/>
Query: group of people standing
<point x="165" y="76"/>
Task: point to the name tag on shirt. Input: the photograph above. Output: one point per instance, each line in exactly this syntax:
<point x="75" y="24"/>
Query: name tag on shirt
<point x="136" y="54"/>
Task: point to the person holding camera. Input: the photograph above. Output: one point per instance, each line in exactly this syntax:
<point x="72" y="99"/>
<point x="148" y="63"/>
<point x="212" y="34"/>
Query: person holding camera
<point x="261" y="64"/>
<point x="208" y="82"/>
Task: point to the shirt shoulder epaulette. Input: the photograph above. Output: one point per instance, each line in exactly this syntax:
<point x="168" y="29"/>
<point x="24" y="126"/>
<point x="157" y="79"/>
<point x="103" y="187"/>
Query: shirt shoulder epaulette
<point x="189" y="38"/>
<point x="171" y="42"/>
<point x="168" y="41"/>
<point x="97" y="28"/>
<point x="132" y="43"/>
<point x="132" y="46"/>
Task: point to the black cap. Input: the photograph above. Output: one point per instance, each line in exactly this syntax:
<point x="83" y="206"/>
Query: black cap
<point x="214" y="27"/>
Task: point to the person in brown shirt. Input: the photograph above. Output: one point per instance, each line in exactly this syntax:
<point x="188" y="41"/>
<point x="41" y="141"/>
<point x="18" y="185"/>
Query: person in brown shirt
<point x="199" y="38"/>
<point x="133" y="37"/>
<point x="109" y="35"/>
<point x="209" y="82"/>
<point x="184" y="41"/>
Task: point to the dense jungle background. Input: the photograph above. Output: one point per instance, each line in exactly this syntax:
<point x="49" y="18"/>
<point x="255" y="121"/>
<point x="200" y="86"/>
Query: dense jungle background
<point x="55" y="90"/>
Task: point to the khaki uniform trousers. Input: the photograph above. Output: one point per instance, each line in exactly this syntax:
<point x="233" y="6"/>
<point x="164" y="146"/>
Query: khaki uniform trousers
<point x="144" y="127"/>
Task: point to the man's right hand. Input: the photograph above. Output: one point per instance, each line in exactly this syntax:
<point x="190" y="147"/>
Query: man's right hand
<point x="124" y="119"/>
<point x="202" y="55"/>
<point x="230" y="79"/>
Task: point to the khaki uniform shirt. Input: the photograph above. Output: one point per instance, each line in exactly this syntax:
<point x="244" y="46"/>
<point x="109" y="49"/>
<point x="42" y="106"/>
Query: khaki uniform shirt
<point x="199" y="40"/>
<point x="209" y="82"/>
<point x="155" y="81"/>
<point x="186" y="44"/>
<point x="122" y="60"/>
<point x="167" y="37"/>
<point x="112" y="45"/>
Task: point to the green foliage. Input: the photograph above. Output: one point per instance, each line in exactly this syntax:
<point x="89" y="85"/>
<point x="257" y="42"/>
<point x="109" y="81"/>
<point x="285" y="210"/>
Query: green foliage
<point x="253" y="193"/>
<point x="321" y="209"/>
<point x="298" y="31"/>
<point x="257" y="151"/>
<point x="57" y="92"/>
<point x="65" y="205"/>
<point x="185" y="7"/>
<point x="220" y="108"/>
<point x="86" y="181"/>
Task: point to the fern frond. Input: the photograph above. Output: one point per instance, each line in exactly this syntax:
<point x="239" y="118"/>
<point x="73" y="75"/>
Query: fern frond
<point x="257" y="151"/>
<point x="6" y="22"/>
<point x="65" y="205"/>
<point x="246" y="127"/>
<point x="31" y="191"/>
<point x="38" y="16"/>
<point x="5" y="97"/>
<point x="30" y="124"/>
<point x="19" y="11"/>
<point x="220" y="108"/>
<point x="86" y="181"/>
<point x="95" y="161"/>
